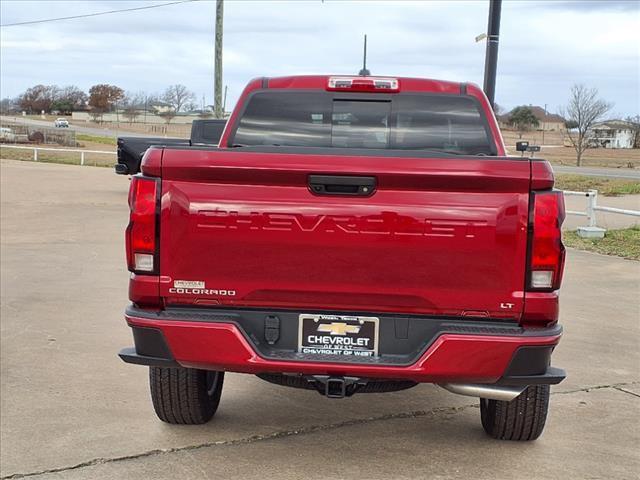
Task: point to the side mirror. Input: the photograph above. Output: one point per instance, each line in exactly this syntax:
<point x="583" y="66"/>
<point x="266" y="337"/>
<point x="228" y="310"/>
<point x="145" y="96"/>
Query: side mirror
<point x="522" y="146"/>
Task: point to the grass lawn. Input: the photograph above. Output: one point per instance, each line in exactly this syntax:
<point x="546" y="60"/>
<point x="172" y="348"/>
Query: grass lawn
<point x="609" y="187"/>
<point x="621" y="243"/>
<point x="82" y="137"/>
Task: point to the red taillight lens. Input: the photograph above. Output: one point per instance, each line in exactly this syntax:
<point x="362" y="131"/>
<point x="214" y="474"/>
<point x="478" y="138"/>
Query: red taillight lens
<point x="547" y="252"/>
<point x="141" y="232"/>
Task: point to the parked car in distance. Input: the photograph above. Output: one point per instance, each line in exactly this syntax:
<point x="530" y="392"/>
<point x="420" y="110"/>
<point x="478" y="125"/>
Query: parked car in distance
<point x="61" y="123"/>
<point x="7" y="135"/>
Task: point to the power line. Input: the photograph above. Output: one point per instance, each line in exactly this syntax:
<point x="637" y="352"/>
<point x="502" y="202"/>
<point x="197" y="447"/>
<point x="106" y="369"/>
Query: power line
<point x="32" y="22"/>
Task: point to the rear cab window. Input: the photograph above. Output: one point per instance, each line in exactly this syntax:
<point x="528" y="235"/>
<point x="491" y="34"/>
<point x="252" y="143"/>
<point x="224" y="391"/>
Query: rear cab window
<point x="452" y="124"/>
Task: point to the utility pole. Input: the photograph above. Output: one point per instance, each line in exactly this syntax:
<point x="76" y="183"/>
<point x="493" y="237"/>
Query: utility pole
<point x="224" y="101"/>
<point x="543" y="121"/>
<point x="491" y="57"/>
<point x="217" y="82"/>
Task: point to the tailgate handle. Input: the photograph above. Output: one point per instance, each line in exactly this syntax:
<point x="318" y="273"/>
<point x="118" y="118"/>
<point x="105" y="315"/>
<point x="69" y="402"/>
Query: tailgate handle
<point x="342" y="185"/>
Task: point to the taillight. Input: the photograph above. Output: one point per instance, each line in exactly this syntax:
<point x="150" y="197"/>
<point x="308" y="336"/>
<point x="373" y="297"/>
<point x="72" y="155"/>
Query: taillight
<point x="141" y="233"/>
<point x="364" y="84"/>
<point x="546" y="255"/>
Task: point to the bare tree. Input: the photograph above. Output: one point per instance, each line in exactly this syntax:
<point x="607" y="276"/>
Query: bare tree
<point x="167" y="116"/>
<point x="74" y="95"/>
<point x="69" y="98"/>
<point x="39" y="98"/>
<point x="583" y="110"/>
<point x="178" y="96"/>
<point x="190" y="106"/>
<point x="153" y="98"/>
<point x="132" y="103"/>
<point x="96" y="114"/>
<point x="9" y="105"/>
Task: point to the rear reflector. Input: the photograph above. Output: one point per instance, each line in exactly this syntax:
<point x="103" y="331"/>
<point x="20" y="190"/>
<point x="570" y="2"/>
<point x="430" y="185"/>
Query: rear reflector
<point x="364" y="84"/>
<point x="141" y="232"/>
<point x="547" y="252"/>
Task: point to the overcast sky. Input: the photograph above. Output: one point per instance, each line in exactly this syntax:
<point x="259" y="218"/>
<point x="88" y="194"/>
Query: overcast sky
<point x="545" y="46"/>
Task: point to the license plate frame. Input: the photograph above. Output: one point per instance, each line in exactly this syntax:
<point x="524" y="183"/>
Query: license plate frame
<point x="342" y="335"/>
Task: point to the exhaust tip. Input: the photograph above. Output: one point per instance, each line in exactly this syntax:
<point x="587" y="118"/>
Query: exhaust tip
<point x="490" y="392"/>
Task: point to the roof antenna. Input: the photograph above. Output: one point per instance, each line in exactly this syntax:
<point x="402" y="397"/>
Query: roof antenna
<point x="364" y="72"/>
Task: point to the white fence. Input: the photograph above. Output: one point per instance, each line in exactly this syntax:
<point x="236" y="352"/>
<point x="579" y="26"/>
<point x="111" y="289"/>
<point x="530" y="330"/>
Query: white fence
<point x="41" y="149"/>
<point x="593" y="207"/>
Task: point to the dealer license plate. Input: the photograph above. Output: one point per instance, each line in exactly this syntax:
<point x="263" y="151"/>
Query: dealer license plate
<point x="338" y="335"/>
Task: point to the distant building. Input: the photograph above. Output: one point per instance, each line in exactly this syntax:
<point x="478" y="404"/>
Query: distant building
<point x="160" y="107"/>
<point x="548" y="121"/>
<point x="612" y="134"/>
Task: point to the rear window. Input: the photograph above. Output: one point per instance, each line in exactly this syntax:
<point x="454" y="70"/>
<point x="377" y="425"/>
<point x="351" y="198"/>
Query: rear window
<point x="446" y="123"/>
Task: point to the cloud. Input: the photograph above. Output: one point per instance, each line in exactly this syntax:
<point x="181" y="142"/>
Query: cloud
<point x="592" y="5"/>
<point x="545" y="46"/>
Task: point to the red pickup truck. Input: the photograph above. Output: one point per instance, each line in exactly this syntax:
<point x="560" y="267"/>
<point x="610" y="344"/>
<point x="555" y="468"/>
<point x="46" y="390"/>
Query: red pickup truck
<point x="349" y="235"/>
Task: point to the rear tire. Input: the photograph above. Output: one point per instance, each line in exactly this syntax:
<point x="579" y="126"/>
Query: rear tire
<point x="521" y="419"/>
<point x="185" y="396"/>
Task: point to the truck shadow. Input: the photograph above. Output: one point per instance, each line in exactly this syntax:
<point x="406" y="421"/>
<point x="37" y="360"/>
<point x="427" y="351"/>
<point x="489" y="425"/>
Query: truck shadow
<point x="253" y="408"/>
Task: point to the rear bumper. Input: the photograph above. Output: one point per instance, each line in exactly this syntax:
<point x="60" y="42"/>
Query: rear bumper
<point x="450" y="351"/>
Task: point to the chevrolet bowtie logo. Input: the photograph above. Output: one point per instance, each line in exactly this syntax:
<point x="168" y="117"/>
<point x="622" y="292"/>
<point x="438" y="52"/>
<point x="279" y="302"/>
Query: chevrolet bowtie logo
<point x="338" y="328"/>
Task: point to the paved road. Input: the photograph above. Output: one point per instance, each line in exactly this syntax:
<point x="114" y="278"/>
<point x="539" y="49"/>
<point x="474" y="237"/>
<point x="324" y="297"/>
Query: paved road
<point x="71" y="410"/>
<point x="88" y="130"/>
<point x="629" y="173"/>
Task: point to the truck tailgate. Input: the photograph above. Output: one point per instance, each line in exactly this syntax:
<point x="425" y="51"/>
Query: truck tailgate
<point x="443" y="236"/>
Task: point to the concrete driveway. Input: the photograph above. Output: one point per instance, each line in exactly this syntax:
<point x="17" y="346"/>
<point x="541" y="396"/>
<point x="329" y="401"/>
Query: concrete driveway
<point x="71" y="409"/>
